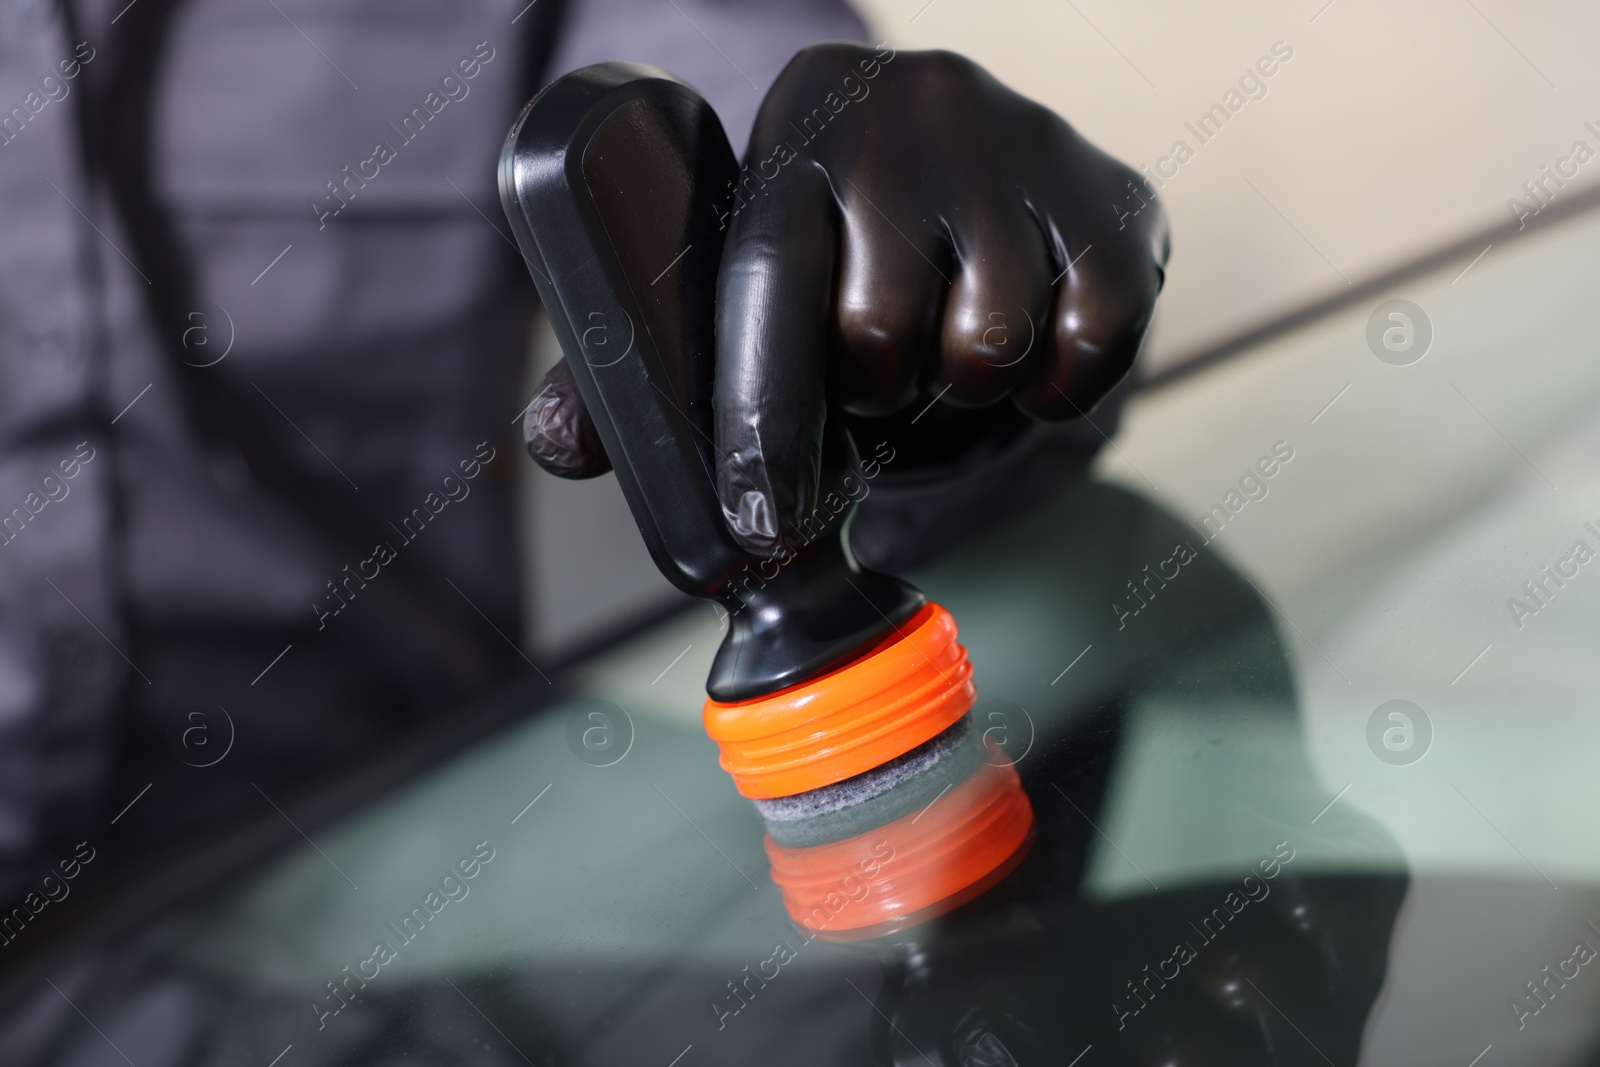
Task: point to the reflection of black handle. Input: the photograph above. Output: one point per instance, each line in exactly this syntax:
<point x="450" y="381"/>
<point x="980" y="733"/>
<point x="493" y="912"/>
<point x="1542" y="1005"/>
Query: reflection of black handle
<point x="611" y="178"/>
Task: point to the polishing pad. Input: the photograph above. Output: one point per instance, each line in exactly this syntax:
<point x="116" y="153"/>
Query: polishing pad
<point x="922" y="864"/>
<point x="903" y="785"/>
<point x="898" y="695"/>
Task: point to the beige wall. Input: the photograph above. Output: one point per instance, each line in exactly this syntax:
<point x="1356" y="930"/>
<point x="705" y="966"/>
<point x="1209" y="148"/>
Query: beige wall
<point x="1395" y="127"/>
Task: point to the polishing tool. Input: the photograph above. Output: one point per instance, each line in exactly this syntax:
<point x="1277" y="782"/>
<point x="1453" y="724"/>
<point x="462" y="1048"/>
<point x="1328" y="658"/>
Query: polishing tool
<point x="833" y="682"/>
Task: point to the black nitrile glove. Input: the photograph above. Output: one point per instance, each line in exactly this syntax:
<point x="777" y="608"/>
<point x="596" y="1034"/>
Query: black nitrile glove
<point x="906" y="228"/>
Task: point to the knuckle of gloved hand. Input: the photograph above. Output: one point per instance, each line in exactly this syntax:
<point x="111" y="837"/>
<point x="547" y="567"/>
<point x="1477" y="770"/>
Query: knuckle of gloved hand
<point x="824" y="60"/>
<point x="1094" y="364"/>
<point x="1101" y="332"/>
<point x="1107" y="303"/>
<point x="875" y="372"/>
<point x="941" y="68"/>
<point x="986" y="352"/>
<point x="1094" y="345"/>
<point x="1104" y="342"/>
<point x="970" y="383"/>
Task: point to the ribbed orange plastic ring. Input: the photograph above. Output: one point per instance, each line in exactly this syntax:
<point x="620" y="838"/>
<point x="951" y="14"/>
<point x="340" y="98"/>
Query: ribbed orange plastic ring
<point x="922" y="865"/>
<point x="909" y="688"/>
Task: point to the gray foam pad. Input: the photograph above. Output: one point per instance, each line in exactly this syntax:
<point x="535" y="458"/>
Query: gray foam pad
<point x="881" y="795"/>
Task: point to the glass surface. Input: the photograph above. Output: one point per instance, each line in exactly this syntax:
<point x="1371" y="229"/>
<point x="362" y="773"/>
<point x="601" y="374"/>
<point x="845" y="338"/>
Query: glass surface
<point x="1242" y="848"/>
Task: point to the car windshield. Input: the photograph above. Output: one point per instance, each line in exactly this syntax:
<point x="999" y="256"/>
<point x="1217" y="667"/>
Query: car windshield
<point x="1278" y="754"/>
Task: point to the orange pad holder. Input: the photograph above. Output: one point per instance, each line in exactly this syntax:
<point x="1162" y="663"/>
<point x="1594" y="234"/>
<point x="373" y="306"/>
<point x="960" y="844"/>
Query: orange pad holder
<point x="912" y="686"/>
<point x="922" y="865"/>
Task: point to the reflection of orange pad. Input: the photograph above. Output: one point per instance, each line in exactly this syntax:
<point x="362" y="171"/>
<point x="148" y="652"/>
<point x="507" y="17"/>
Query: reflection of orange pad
<point x="913" y="685"/>
<point x="913" y="869"/>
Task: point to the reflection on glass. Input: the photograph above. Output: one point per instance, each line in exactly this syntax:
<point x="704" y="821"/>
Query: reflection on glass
<point x="934" y="842"/>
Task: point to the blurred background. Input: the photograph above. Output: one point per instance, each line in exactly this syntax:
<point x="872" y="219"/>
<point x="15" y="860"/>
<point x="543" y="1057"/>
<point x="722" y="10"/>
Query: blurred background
<point x="1392" y="135"/>
<point x="1316" y="157"/>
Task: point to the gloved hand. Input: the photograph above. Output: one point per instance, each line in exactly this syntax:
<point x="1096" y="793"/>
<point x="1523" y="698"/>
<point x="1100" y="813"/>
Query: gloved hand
<point x="906" y="231"/>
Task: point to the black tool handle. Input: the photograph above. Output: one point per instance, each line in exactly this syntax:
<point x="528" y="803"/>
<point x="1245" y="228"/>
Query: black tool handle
<point x="610" y="179"/>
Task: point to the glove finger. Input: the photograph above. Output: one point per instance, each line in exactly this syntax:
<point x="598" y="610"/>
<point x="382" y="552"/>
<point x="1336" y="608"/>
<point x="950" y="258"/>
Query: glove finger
<point x="890" y="294"/>
<point x="560" y="434"/>
<point x="991" y="337"/>
<point x="774" y="307"/>
<point x="1103" y="302"/>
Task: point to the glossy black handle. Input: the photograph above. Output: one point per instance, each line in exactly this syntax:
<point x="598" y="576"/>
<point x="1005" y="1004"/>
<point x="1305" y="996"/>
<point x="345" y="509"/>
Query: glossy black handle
<point x="610" y="179"/>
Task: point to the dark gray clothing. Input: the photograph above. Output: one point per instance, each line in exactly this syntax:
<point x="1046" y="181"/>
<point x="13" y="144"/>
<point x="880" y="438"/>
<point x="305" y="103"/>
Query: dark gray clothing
<point x="260" y="336"/>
